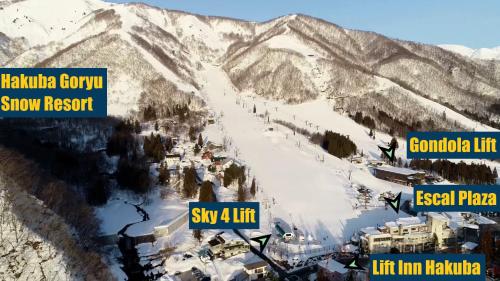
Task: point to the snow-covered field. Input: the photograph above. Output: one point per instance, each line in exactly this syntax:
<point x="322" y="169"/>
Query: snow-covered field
<point x="120" y="211"/>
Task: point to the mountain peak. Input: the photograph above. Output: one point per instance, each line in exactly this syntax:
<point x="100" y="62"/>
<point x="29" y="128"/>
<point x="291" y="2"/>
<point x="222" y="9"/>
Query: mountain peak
<point x="481" y="53"/>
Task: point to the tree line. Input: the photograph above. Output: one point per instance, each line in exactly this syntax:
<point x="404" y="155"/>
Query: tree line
<point x="150" y="112"/>
<point x="133" y="168"/>
<point x="458" y="172"/>
<point x="336" y="144"/>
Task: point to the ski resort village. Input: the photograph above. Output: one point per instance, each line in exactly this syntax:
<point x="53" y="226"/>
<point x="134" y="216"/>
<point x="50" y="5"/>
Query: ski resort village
<point x="321" y="210"/>
<point x="291" y="113"/>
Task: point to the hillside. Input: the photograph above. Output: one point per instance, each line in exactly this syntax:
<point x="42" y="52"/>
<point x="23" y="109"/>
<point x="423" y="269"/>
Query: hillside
<point x="35" y="242"/>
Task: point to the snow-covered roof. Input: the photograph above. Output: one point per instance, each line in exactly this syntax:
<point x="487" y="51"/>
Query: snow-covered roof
<point x="349" y="248"/>
<point x="404" y="221"/>
<point x="469" y="245"/>
<point x="462" y="220"/>
<point x="439" y="216"/>
<point x="408" y="221"/>
<point x="333" y="266"/>
<point x="402" y="171"/>
<point x="370" y="230"/>
<point x="391" y="224"/>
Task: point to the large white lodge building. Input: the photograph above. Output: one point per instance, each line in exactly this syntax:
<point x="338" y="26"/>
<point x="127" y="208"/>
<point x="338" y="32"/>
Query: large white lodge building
<point x="435" y="231"/>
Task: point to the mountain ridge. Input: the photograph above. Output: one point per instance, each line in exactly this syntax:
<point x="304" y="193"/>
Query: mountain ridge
<point x="294" y="58"/>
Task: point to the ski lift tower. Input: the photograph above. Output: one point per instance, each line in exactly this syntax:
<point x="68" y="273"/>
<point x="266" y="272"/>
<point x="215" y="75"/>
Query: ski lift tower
<point x="338" y="101"/>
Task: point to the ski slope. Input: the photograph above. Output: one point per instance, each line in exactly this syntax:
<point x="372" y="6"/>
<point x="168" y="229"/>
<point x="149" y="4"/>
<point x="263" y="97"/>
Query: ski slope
<point x="316" y="196"/>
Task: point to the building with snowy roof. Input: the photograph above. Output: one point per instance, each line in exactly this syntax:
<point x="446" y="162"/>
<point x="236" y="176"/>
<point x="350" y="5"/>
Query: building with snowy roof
<point x="452" y="227"/>
<point x="399" y="175"/>
<point x="332" y="270"/>
<point x="420" y="234"/>
<point x="256" y="270"/>
<point x="407" y="235"/>
<point x="468" y="247"/>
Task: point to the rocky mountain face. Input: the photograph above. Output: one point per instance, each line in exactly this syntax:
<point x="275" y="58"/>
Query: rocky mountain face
<point x="153" y="57"/>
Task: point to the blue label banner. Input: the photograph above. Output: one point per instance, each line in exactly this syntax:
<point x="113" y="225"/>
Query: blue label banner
<point x="456" y="198"/>
<point x="428" y="267"/>
<point x="53" y="92"/>
<point x="224" y="215"/>
<point x="453" y="145"/>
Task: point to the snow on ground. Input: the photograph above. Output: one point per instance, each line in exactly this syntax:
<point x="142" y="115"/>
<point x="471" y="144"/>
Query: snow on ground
<point x="120" y="211"/>
<point x="116" y="214"/>
<point x="291" y="42"/>
<point x="161" y="212"/>
<point x="307" y="192"/>
<point x="482" y="53"/>
<point x="35" y="21"/>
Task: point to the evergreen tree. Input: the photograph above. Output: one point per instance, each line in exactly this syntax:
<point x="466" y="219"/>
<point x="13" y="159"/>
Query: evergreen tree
<point x="153" y="147"/>
<point x="206" y="192"/>
<point x="189" y="186"/>
<point x="358" y="117"/>
<point x="122" y="141"/>
<point x="336" y="144"/>
<point x="164" y="174"/>
<point x="254" y="109"/>
<point x="457" y="172"/>
<point x="149" y="113"/>
<point x="168" y="144"/>
<point x="197" y="235"/>
<point x="253" y="188"/>
<point x="157" y="127"/>
<point x="196" y="149"/>
<point x="242" y="193"/>
<point x="200" y="140"/>
<point x="133" y="174"/>
<point x="232" y="173"/>
<point x="495" y="173"/>
<point x="394" y="142"/>
<point x="137" y="127"/>
<point x="192" y="134"/>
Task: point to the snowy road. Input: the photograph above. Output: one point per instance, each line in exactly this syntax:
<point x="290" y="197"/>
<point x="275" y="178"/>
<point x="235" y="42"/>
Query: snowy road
<point x="311" y="194"/>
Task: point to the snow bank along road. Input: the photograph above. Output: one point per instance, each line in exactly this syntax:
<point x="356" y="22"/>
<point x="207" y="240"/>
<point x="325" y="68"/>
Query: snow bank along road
<point x="311" y="194"/>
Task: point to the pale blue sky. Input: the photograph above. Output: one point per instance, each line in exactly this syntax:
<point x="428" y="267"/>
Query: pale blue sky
<point x="473" y="23"/>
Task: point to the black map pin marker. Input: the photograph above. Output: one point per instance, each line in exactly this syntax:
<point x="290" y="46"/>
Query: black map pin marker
<point x="394" y="203"/>
<point x="389" y="152"/>
<point x="262" y="240"/>
<point x="354" y="264"/>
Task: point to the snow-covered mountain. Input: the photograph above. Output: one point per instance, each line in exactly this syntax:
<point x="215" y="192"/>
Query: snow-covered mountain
<point x="154" y="57"/>
<point x="297" y="69"/>
<point x="481" y="53"/>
